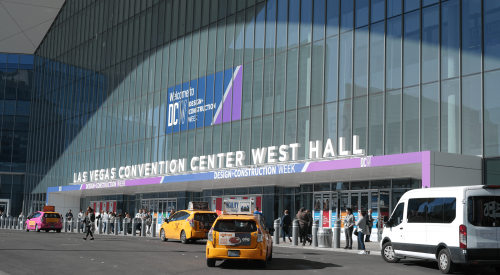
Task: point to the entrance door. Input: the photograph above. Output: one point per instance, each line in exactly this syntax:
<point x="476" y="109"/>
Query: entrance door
<point x="3" y="207"/>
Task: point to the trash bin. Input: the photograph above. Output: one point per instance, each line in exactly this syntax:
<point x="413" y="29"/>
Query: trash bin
<point x="325" y="237"/>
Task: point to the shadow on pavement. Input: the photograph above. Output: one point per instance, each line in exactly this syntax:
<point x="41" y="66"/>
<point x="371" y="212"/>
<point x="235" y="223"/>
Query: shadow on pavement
<point x="460" y="269"/>
<point x="276" y="264"/>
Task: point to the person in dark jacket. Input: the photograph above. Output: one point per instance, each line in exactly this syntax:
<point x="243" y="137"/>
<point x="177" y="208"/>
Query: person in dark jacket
<point x="369" y="224"/>
<point x="89" y="220"/>
<point x="309" y="227"/>
<point x="286" y="223"/>
<point x="303" y="224"/>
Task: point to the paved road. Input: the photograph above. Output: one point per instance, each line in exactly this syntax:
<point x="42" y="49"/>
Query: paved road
<point x="51" y="253"/>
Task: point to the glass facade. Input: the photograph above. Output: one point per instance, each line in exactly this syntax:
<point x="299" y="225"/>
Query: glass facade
<point x="404" y="76"/>
<point x="16" y="83"/>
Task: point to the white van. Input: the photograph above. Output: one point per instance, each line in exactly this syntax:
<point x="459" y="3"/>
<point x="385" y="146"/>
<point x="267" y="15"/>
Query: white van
<point x="451" y="225"/>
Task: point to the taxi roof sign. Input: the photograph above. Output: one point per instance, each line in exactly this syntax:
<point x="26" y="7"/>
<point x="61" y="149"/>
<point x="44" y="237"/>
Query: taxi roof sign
<point x="239" y="206"/>
<point x="198" y="205"/>
<point x="49" y="208"/>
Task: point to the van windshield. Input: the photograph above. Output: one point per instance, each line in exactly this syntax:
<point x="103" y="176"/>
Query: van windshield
<point x="483" y="211"/>
<point x="235" y="226"/>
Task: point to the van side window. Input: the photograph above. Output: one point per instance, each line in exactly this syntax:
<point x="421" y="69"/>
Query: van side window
<point x="450" y="209"/>
<point x="482" y="211"/>
<point x="417" y="210"/>
<point x="431" y="210"/>
<point x="397" y="215"/>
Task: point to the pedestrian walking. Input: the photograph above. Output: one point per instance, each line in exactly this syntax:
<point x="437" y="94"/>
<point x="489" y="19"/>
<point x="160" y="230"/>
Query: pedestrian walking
<point x="349" y="221"/>
<point x="362" y="229"/>
<point x="148" y="219"/>
<point x="369" y="225"/>
<point x="111" y="220"/>
<point x="286" y="223"/>
<point x="309" y="227"/>
<point x="89" y="221"/>
<point x="69" y="217"/>
<point x="303" y="224"/>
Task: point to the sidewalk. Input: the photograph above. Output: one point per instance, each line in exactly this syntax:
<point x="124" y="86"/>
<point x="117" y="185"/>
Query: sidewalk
<point x="373" y="247"/>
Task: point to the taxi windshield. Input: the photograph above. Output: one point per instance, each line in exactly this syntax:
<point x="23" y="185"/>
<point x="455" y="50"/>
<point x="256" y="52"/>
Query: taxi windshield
<point x="235" y="226"/>
<point x="51" y="215"/>
<point x="205" y="217"/>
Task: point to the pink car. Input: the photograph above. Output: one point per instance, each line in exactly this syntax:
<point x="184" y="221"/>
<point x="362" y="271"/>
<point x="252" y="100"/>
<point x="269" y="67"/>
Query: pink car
<point x="44" y="221"/>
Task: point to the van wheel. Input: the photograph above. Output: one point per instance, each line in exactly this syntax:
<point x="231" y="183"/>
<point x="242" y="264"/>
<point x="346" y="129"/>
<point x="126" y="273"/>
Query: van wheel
<point x="162" y="236"/>
<point x="388" y="253"/>
<point x="183" y="237"/>
<point x="444" y="262"/>
<point x="211" y="262"/>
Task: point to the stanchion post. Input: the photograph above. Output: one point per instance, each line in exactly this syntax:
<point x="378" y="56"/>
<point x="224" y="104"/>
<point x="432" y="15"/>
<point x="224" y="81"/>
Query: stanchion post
<point x="153" y="228"/>
<point x="117" y="226"/>
<point x="315" y="233"/>
<point x="134" y="227"/>
<point x="336" y="234"/>
<point x="15" y="224"/>
<point x="295" y="233"/>
<point x="276" y="237"/>
<point x="125" y="227"/>
<point x="99" y="229"/>
<point x="143" y="228"/>
<point x="107" y="227"/>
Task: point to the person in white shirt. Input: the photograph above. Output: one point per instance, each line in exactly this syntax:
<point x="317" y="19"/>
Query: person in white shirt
<point x="80" y="217"/>
<point x="138" y="218"/>
<point x="105" y="219"/>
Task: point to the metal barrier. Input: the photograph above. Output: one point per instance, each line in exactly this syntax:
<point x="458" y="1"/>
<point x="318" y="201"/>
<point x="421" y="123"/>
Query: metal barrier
<point x="315" y="233"/>
<point x="336" y="234"/>
<point x="78" y="225"/>
<point x="2" y="222"/>
<point x="276" y="237"/>
<point x="325" y="237"/>
<point x="99" y="227"/>
<point x="65" y="224"/>
<point x="15" y="224"/>
<point x="143" y="228"/>
<point x="10" y="223"/>
<point x="295" y="232"/>
<point x="71" y="225"/>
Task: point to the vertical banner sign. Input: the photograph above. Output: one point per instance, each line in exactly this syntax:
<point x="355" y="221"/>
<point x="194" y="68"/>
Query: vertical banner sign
<point x="326" y="211"/>
<point x="205" y="101"/>
<point x="374" y="208"/>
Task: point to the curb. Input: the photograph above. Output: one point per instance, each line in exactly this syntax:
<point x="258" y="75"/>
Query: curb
<point x="372" y="253"/>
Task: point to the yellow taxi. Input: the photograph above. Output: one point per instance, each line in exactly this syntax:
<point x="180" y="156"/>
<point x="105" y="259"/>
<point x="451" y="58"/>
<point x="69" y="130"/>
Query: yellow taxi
<point x="189" y="225"/>
<point x="240" y="235"/>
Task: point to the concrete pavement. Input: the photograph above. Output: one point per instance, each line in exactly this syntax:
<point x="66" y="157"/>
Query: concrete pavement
<point x="67" y="253"/>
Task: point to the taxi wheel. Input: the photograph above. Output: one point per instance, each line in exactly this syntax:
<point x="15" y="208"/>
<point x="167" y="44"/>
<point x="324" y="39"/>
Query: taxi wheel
<point x="263" y="264"/>
<point x="211" y="262"/>
<point x="162" y="236"/>
<point x="46" y="230"/>
<point x="183" y="237"/>
<point x="58" y="230"/>
<point x="270" y="256"/>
